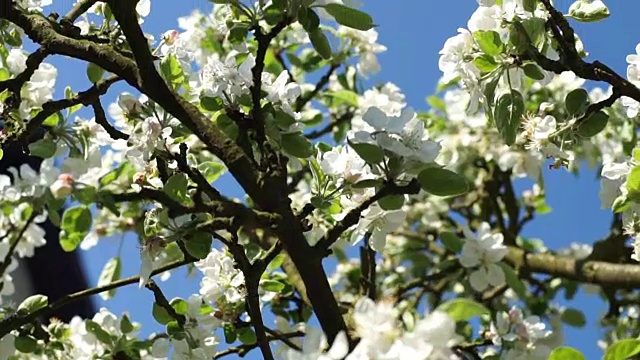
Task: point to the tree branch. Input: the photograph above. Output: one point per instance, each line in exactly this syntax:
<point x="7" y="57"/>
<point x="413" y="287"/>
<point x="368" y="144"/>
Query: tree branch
<point x="49" y="108"/>
<point x="16" y="321"/>
<point x="324" y="80"/>
<point x="353" y="216"/>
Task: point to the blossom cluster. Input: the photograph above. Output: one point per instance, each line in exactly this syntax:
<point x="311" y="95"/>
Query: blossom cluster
<point x="381" y="336"/>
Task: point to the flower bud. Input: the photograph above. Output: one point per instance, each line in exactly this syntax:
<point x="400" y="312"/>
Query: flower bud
<point x="170" y="37"/>
<point x="63" y="186"/>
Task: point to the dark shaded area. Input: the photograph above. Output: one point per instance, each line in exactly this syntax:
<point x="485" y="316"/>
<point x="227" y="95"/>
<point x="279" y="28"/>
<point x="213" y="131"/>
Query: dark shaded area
<point x="54" y="272"/>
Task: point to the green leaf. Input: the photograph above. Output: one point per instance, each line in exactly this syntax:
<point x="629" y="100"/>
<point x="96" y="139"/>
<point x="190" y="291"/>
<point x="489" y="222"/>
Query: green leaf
<point x="370" y="153"/>
<point x="247" y="336"/>
<point x="350" y="17"/>
<point x="25" y="344"/>
<point x="566" y="353"/>
<point x="44" y="148"/>
<point x="529" y="5"/>
<point x="620" y="204"/>
<point x="227" y="125"/>
<point x="513" y="280"/>
<point x="238" y="34"/>
<point x="55" y="119"/>
<point x="85" y="194"/>
<point x="369" y="183"/>
<point x="176" y="187"/>
<point x="508" y="114"/>
<point x="534" y="29"/>
<point x="181" y="306"/>
<point x="110" y="273"/>
<point x="199" y="244"/>
<point x="211" y="104"/>
<point x="32" y="304"/>
<point x="125" y="324"/>
<point x="533" y="71"/>
<point x="443" y="182"/>
<point x="171" y="71"/>
<point x="308" y="19"/>
<point x="297" y="145"/>
<point x="1" y="153"/>
<point x="175" y="331"/>
<point x="94" y="72"/>
<point x="485" y="63"/>
<point x="320" y="43"/>
<point x="211" y="170"/>
<point x="633" y="184"/>
<point x="437" y="103"/>
<point x="391" y="202"/>
<point x="577" y="101"/>
<point x="588" y="11"/>
<point x="101" y="334"/>
<point x="622" y="349"/>
<point x="276" y="262"/>
<point x="161" y="314"/>
<point x="573" y="317"/>
<point x="462" y="309"/>
<point x="230" y="334"/>
<point x="489" y="42"/>
<point x="451" y="241"/>
<point x="344" y="97"/>
<point x="594" y="124"/>
<point x="272" y="285"/>
<point x="75" y="224"/>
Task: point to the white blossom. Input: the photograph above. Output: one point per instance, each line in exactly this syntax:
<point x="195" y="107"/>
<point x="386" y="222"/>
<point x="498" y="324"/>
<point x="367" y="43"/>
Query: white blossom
<point x="481" y="252"/>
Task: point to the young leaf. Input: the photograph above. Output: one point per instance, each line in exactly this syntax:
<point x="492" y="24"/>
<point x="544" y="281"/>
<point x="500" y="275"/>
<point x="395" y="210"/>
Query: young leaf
<point x="347" y="97"/>
<point x="32" y="304"/>
<point x="25" y="344"/>
<point x="594" y="124"/>
<point x="211" y="170"/>
<point x="350" y="17"/>
<point x="566" y="353"/>
<point x="171" y="71"/>
<point x="161" y="314"/>
<point x="508" y="114"/>
<point x="247" y="336"/>
<point x="320" y="43"/>
<point x="176" y="187"/>
<point x="297" y="145"/>
<point x="577" y="101"/>
<point x="622" y="349"/>
<point x="451" y="241"/>
<point x="533" y="71"/>
<point x="199" y="244"/>
<point x="573" y="317"/>
<point x="75" y="224"/>
<point x="443" y="182"/>
<point x="391" y="202"/>
<point x="370" y="153"/>
<point x="513" y="280"/>
<point x="633" y="184"/>
<point x="94" y="72"/>
<point x="272" y="285"/>
<point x="44" y="148"/>
<point x="462" y="309"/>
<point x="110" y="273"/>
<point x="489" y="42"/>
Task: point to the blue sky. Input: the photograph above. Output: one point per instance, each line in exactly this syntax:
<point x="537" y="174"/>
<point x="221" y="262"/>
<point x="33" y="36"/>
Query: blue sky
<point x="413" y="31"/>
